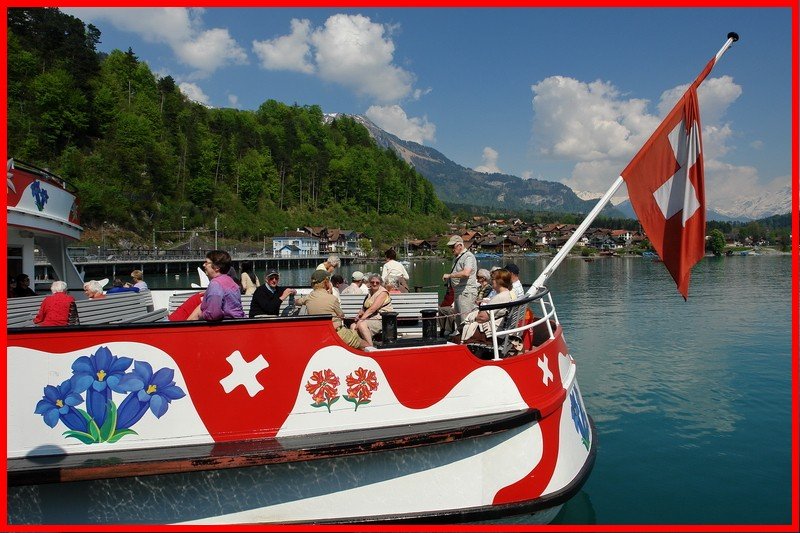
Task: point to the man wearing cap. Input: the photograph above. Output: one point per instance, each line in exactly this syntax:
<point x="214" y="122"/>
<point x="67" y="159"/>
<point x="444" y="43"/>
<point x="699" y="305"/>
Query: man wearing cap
<point x="268" y="297"/>
<point x="321" y="302"/>
<point x="357" y="286"/>
<point x="462" y="278"/>
<point x="516" y="285"/>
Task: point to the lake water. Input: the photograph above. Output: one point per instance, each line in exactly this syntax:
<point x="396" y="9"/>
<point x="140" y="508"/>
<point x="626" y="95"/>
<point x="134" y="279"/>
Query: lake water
<point x="692" y="400"/>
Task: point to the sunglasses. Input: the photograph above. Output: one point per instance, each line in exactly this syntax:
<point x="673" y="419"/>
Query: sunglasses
<point x="374" y="282"/>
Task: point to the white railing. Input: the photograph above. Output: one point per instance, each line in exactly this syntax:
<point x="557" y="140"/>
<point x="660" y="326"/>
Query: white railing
<point x="515" y="313"/>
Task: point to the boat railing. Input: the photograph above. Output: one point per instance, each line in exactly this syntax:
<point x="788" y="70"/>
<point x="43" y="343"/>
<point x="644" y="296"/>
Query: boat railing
<point x="514" y="322"/>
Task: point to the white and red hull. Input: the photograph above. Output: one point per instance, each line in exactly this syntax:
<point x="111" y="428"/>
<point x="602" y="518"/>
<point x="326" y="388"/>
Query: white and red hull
<point x="278" y="421"/>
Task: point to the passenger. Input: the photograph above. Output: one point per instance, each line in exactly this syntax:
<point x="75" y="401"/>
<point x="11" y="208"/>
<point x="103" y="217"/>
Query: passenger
<point x="357" y="286"/>
<point x="392" y="285"/>
<point x="23" y="287"/>
<point x="519" y="292"/>
<point x="476" y="325"/>
<point x="484" y="285"/>
<point x="93" y="290"/>
<point x="138" y="280"/>
<point x="462" y="278"/>
<point x="330" y="264"/>
<point x="338" y="282"/>
<point x="118" y="286"/>
<point x="268" y="298"/>
<point x="392" y="268"/>
<point x="250" y="281"/>
<point x="321" y="302"/>
<point x="368" y="321"/>
<point x="58" y="309"/>
<point x="223" y="298"/>
<point x="446" y="320"/>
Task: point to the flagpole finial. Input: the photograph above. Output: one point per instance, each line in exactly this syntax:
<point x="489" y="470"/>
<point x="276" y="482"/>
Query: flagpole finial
<point x="733" y="35"/>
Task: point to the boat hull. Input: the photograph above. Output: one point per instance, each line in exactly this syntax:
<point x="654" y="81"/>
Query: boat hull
<point x="274" y="421"/>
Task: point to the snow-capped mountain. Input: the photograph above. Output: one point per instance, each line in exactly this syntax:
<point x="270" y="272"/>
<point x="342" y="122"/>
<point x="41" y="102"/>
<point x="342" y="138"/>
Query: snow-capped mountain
<point x="767" y="204"/>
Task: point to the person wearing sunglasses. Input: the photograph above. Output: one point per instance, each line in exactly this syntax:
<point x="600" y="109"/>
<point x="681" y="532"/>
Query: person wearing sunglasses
<point x="368" y="321"/>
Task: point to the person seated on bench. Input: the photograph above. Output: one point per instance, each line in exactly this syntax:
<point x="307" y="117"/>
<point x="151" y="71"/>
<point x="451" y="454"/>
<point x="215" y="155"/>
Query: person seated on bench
<point x="321" y="302"/>
<point x="58" y="309"/>
<point x="118" y="286"/>
<point x="223" y="297"/>
<point x="476" y="324"/>
<point x="368" y="321"/>
<point x="267" y="298"/>
<point x="93" y="290"/>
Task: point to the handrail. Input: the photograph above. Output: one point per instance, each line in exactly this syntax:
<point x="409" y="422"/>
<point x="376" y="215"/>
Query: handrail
<point x="548" y="312"/>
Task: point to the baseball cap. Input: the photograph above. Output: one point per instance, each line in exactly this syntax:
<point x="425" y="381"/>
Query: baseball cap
<point x="318" y="276"/>
<point x="357" y="275"/>
<point x="455" y="239"/>
<point x="272" y="273"/>
<point x="514" y="269"/>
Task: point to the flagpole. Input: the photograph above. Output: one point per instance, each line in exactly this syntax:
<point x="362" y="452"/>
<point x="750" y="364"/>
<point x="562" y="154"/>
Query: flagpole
<point x="581" y="229"/>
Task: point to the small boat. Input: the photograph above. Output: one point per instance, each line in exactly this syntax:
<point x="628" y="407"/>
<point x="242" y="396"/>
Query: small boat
<point x="275" y="420"/>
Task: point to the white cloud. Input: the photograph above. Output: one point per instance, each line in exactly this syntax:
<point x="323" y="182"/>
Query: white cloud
<point x="290" y="52"/>
<point x="349" y="50"/>
<point x="527" y="175"/>
<point x="179" y="28"/>
<point x="393" y="119"/>
<point x="600" y="129"/>
<point x="489" y="158"/>
<point x="233" y="100"/>
<point x="193" y="92"/>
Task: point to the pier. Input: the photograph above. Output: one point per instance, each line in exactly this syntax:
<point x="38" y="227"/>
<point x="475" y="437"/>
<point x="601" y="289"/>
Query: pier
<point x="113" y="263"/>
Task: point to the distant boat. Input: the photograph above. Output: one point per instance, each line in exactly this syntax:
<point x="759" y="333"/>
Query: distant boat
<point x="487" y="255"/>
<point x="651" y="255"/>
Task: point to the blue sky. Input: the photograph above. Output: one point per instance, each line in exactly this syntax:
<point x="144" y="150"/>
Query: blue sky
<point x="558" y="94"/>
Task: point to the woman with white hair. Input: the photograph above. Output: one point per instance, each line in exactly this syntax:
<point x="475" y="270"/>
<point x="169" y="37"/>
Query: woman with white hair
<point x="58" y="309"/>
<point x="330" y="264"/>
<point x="93" y="290"/>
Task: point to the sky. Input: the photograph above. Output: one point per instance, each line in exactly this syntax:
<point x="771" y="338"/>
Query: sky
<point x="560" y="94"/>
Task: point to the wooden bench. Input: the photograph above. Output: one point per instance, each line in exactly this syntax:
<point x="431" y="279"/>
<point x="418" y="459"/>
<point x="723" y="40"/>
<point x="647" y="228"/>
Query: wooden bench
<point x="21" y="311"/>
<point x="120" y="308"/>
<point x="407" y="305"/>
<point x="177" y="299"/>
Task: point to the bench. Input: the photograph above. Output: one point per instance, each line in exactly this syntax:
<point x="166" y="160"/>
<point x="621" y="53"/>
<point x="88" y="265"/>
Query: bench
<point x="407" y="305"/>
<point x="21" y="311"/>
<point x="177" y="299"/>
<point x="119" y="308"/>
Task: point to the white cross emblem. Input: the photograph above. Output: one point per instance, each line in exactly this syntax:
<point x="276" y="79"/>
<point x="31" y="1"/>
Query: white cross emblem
<point x="547" y="376"/>
<point x="244" y="373"/>
<point x="678" y="193"/>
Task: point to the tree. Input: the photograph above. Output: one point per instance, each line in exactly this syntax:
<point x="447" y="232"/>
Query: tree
<point x="716" y="242"/>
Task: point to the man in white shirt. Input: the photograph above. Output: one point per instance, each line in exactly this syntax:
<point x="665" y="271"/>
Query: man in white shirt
<point x="394" y="269"/>
<point x="357" y="286"/>
<point x="516" y="285"/>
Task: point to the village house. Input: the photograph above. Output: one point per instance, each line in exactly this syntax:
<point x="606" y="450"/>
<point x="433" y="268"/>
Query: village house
<point x="295" y="244"/>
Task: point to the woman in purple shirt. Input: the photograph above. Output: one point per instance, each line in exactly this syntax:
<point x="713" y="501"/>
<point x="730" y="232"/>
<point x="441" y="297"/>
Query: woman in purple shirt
<point x="223" y="298"/>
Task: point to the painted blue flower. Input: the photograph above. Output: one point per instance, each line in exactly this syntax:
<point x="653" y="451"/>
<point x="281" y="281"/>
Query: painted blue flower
<point x="58" y="403"/>
<point x="99" y="375"/>
<point x="579" y="417"/>
<point x="147" y="390"/>
<point x="40" y="195"/>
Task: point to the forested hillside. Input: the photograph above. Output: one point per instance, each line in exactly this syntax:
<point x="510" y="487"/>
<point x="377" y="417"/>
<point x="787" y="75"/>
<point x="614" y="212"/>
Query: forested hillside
<point x="143" y="156"/>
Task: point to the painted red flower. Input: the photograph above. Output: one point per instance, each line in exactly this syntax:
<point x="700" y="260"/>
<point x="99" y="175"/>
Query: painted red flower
<point x="360" y="386"/>
<point x="323" y="388"/>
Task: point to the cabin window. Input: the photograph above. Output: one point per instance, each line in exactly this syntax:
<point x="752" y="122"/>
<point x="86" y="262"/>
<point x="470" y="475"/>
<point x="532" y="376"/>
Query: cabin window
<point x="14" y="264"/>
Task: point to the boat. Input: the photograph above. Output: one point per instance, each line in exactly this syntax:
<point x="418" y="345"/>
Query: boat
<point x="275" y="420"/>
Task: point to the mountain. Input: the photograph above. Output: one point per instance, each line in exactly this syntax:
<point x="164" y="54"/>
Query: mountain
<point x="765" y="205"/>
<point x="627" y="210"/>
<point x="456" y="184"/>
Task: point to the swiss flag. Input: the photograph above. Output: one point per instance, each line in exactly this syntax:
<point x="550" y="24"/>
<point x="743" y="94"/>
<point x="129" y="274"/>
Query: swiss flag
<point x="666" y="190"/>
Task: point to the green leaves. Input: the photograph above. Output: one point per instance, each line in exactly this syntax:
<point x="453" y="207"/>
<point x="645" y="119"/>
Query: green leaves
<point x="107" y="433"/>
